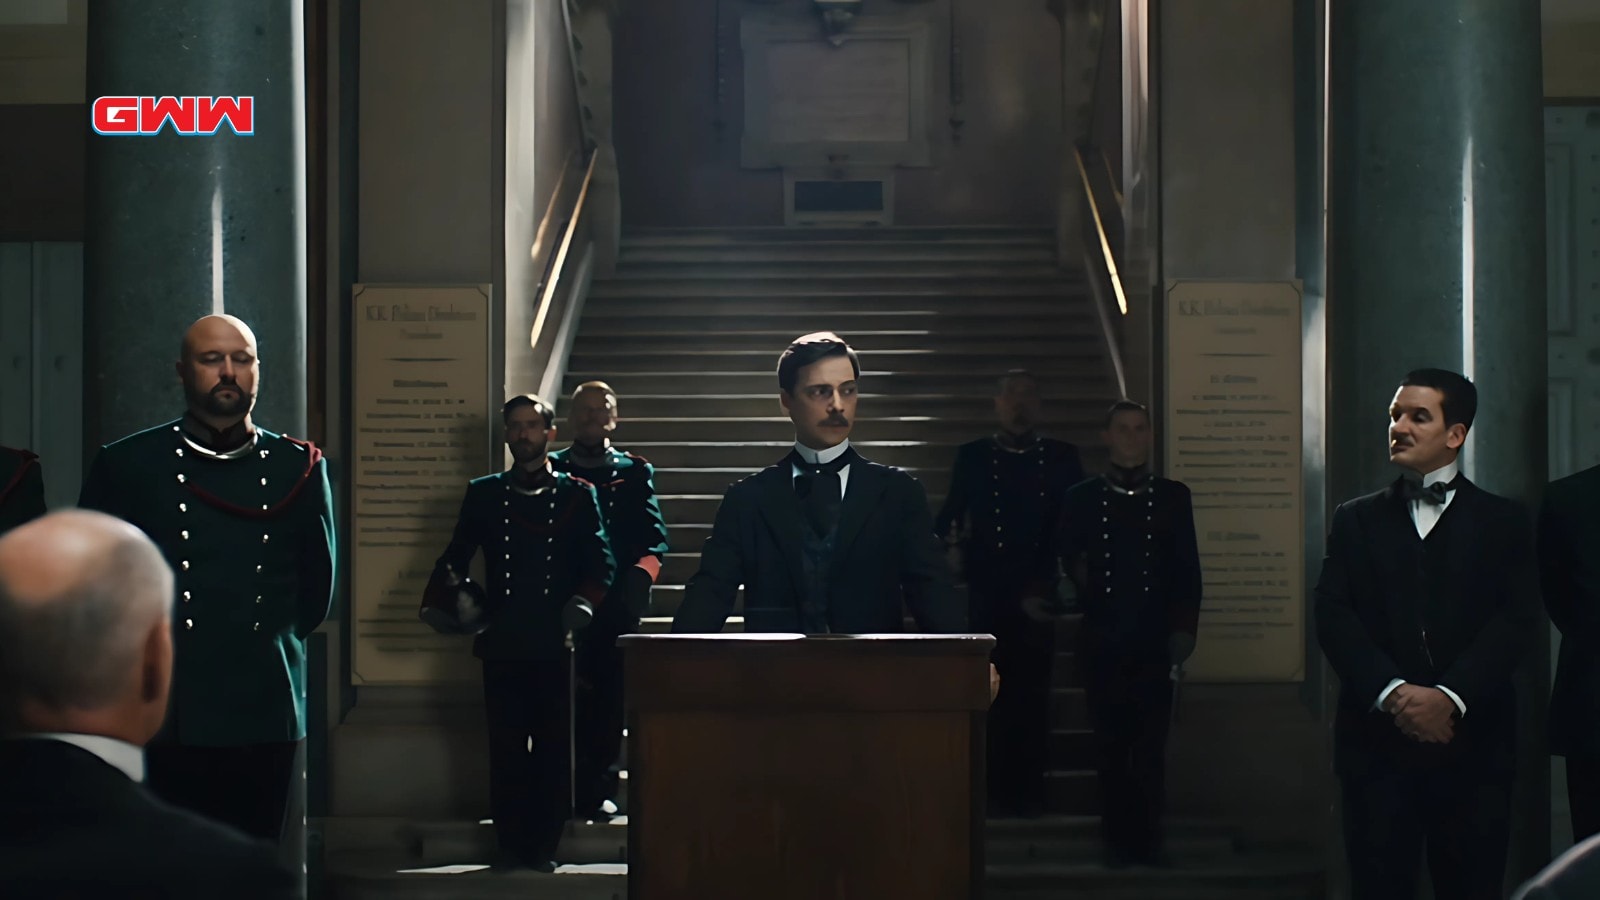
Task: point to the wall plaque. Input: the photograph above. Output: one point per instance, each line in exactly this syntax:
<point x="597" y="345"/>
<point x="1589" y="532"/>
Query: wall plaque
<point x="810" y="103"/>
<point x="421" y="429"/>
<point x="1233" y="435"/>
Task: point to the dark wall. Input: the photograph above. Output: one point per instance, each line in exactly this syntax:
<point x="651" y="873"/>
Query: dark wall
<point x="676" y="171"/>
<point x="41" y="171"/>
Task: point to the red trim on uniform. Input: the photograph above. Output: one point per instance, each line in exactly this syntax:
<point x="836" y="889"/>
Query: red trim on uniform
<point x="28" y="459"/>
<point x="592" y="592"/>
<point x="313" y="456"/>
<point x="651" y="565"/>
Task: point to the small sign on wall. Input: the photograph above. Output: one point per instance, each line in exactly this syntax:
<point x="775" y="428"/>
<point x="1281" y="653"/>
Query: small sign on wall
<point x="1233" y="435"/>
<point x="422" y="427"/>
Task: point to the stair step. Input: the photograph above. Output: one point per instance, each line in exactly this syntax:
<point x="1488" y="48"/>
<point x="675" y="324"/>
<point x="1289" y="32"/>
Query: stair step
<point x="1068" y="709"/>
<point x="1075" y="358"/>
<point x="1278" y="874"/>
<point x="775" y="428"/>
<point x="882" y="292"/>
<point x="1072" y="749"/>
<point x="638" y="236"/>
<point x="1183" y="850"/>
<point x="1090" y="379"/>
<point x="391" y="876"/>
<point x="752" y="456"/>
<point x="989" y="252"/>
<point x="776" y="327"/>
<point x="951" y="343"/>
<point x="716" y="480"/>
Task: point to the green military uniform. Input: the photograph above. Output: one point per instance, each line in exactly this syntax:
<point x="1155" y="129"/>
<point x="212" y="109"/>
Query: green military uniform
<point x="638" y="535"/>
<point x="21" y="488"/>
<point x="541" y="548"/>
<point x="249" y="535"/>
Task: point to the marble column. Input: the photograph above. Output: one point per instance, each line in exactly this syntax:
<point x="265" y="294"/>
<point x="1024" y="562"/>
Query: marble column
<point x="182" y="226"/>
<point x="1436" y="257"/>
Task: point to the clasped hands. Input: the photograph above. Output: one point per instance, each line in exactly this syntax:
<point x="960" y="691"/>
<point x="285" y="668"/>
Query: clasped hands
<point x="1423" y="714"/>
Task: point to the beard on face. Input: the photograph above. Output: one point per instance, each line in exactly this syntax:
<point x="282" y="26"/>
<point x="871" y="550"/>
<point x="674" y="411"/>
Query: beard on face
<point x="225" y="400"/>
<point x="527" y="451"/>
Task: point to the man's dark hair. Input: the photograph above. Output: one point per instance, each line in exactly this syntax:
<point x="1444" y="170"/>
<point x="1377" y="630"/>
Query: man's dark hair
<point x="1460" y="403"/>
<point x="1013" y="375"/>
<point x="1124" y="405"/>
<point x="809" y="350"/>
<point x="539" y="406"/>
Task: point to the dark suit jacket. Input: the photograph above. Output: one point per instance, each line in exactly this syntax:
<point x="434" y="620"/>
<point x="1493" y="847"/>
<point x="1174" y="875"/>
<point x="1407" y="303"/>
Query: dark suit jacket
<point x="1569" y="569"/>
<point x="885" y="552"/>
<point x="1575" y="875"/>
<point x="1371" y="608"/>
<point x="72" y="826"/>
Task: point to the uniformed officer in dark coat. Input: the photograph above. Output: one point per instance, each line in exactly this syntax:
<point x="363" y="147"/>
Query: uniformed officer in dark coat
<point x="998" y="521"/>
<point x="21" y="488"/>
<point x="637" y="533"/>
<point x="547" y="568"/>
<point x="245" y="518"/>
<point x="1128" y="545"/>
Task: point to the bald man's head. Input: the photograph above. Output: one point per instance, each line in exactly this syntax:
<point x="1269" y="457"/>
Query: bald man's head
<point x="220" y="368"/>
<point x="84" y="600"/>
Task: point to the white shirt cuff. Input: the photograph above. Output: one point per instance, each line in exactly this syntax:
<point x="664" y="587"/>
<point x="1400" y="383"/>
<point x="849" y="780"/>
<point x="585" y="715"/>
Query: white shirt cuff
<point x="1460" y="704"/>
<point x="1387" y="691"/>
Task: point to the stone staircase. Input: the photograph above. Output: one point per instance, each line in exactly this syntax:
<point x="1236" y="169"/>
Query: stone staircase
<point x="688" y="332"/>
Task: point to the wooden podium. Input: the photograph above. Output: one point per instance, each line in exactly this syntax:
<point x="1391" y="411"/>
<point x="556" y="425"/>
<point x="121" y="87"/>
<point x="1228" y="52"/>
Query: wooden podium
<point x="784" y="767"/>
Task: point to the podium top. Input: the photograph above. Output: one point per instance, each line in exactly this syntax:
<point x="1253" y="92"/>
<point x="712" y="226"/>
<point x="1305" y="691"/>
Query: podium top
<point x="769" y="673"/>
<point x="960" y="644"/>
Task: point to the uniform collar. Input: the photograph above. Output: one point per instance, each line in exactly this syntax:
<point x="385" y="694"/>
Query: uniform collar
<point x="821" y="457"/>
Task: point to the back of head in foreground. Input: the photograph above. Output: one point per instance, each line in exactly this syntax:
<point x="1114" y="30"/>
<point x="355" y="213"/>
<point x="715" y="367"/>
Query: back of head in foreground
<point x="86" y="661"/>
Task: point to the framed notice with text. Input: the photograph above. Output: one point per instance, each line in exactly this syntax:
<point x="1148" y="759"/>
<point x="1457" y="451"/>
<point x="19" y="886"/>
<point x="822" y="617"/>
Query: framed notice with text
<point x="1233" y="434"/>
<point x="421" y="428"/>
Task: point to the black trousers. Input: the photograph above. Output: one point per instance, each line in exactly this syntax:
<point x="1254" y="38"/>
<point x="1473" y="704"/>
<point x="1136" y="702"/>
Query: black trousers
<point x="1583" y="796"/>
<point x="598" y="720"/>
<point x="1018" y="737"/>
<point x="1130" y="710"/>
<point x="1393" y="813"/>
<point x="246" y="787"/>
<point x="529" y="755"/>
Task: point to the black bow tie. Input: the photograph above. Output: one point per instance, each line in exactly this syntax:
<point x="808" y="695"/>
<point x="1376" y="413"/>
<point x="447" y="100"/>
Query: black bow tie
<point x="817" y="486"/>
<point x="1435" y="493"/>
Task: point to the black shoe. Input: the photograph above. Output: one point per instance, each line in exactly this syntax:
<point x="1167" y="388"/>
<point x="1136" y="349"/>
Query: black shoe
<point x="509" y="863"/>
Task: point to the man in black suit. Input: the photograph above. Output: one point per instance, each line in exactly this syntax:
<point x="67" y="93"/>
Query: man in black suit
<point x="85" y="668"/>
<point x="1575" y="875"/>
<point x="1569" y="570"/>
<point x="825" y="541"/>
<point x="998" y="520"/>
<point x="1425" y="605"/>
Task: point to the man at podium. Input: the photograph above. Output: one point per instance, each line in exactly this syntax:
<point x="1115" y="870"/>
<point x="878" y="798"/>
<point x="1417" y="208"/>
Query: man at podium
<point x="824" y="541"/>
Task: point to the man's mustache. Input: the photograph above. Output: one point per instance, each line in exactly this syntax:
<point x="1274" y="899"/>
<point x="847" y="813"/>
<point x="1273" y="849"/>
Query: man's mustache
<point x="836" y="419"/>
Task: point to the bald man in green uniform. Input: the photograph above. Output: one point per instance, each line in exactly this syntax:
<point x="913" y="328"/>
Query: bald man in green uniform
<point x="245" y="518"/>
<point x="21" y="488"/>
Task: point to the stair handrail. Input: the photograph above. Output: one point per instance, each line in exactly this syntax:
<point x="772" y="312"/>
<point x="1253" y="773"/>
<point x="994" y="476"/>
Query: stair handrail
<point x="548" y="352"/>
<point x="1103" y="274"/>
